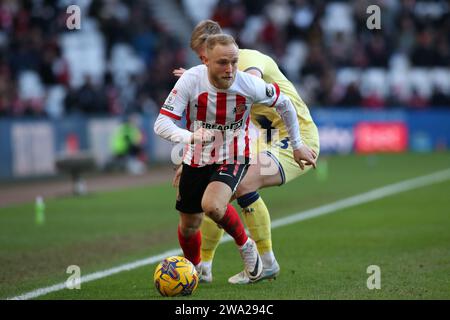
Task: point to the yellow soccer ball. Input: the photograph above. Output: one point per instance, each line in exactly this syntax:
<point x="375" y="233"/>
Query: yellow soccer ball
<point x="175" y="276"/>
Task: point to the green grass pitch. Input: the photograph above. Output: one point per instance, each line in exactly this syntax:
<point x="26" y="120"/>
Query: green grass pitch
<point x="407" y="235"/>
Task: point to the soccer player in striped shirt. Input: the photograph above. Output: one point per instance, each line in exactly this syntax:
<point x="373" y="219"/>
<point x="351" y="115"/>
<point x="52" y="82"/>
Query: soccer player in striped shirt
<point x="217" y="99"/>
<point x="277" y="154"/>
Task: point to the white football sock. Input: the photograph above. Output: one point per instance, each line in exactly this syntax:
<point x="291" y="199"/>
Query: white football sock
<point x="207" y="265"/>
<point x="268" y="259"/>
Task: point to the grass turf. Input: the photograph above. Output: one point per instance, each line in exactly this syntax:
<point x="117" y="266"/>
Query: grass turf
<point x="407" y="235"/>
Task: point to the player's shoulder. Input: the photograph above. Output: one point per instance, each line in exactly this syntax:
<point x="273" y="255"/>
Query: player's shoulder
<point x="191" y="77"/>
<point x="253" y="55"/>
<point x="246" y="78"/>
<point x="196" y="71"/>
<point x="249" y="53"/>
<point x="247" y="82"/>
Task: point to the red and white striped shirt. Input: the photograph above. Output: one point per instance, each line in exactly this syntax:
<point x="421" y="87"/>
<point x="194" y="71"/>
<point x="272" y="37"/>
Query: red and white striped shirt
<point x="225" y="111"/>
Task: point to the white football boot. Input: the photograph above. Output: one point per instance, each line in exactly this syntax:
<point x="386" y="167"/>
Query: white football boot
<point x="253" y="264"/>
<point x="269" y="272"/>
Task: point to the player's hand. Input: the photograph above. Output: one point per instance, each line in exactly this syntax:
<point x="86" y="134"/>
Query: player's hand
<point x="176" y="178"/>
<point x="202" y="135"/>
<point x="178" y="72"/>
<point x="307" y="155"/>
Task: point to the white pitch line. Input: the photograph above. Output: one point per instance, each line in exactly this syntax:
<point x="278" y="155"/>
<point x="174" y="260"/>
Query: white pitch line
<point x="369" y="196"/>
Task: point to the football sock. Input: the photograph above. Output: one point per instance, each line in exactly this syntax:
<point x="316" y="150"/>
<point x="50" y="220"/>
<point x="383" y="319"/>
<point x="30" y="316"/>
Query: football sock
<point x="207" y="266"/>
<point x="191" y="246"/>
<point x="232" y="224"/>
<point x="211" y="235"/>
<point x="257" y="219"/>
<point x="268" y="259"/>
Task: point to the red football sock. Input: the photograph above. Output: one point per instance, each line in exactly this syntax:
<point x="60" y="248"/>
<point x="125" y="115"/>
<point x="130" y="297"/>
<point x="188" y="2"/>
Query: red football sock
<point x="191" y="246"/>
<point x="232" y="224"/>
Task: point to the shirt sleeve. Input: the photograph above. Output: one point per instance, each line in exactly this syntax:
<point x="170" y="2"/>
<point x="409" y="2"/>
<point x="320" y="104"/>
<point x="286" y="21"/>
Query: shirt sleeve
<point x="167" y="129"/>
<point x="266" y="93"/>
<point x="178" y="98"/>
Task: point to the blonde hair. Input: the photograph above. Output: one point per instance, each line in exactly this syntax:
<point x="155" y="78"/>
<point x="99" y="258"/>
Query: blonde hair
<point x="202" y="31"/>
<point x="222" y="39"/>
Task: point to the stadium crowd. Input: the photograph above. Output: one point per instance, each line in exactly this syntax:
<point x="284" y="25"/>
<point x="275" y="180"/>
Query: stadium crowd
<point x="121" y="59"/>
<point x="48" y="70"/>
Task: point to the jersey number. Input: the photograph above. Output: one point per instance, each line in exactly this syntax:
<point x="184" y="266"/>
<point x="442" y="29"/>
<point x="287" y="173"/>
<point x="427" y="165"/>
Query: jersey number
<point x="284" y="144"/>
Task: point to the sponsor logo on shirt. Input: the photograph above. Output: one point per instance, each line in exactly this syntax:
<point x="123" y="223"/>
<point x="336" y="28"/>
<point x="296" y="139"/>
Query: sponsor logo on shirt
<point x="165" y="106"/>
<point x="232" y="126"/>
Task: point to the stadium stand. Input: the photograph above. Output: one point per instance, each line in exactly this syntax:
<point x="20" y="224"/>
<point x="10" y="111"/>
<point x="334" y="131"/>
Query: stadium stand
<point x="121" y="59"/>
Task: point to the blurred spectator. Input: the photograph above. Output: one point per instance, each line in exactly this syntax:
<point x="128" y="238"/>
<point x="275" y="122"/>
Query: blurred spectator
<point x="340" y="49"/>
<point x="439" y="98"/>
<point x="417" y="101"/>
<point x="89" y="98"/>
<point x="112" y="95"/>
<point x="405" y="38"/>
<point x="302" y="19"/>
<point x="423" y="54"/>
<point x="53" y="68"/>
<point x="127" y="147"/>
<point x="373" y="101"/>
<point x="377" y="50"/>
<point x="352" y="96"/>
<point x="315" y="62"/>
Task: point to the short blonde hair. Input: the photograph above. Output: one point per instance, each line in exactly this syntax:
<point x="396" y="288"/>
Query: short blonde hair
<point x="202" y="31"/>
<point x="222" y="39"/>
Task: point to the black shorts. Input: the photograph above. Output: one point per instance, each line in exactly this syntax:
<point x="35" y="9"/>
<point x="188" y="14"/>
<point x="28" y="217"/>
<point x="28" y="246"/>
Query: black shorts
<point x="193" y="183"/>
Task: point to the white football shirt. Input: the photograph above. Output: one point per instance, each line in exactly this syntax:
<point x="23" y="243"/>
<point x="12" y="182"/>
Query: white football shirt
<point x="225" y="111"/>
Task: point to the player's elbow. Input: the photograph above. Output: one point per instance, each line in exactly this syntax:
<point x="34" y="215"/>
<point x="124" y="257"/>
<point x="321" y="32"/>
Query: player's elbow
<point x="283" y="104"/>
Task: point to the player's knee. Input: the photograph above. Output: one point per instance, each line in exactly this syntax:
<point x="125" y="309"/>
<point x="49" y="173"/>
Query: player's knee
<point x="213" y="209"/>
<point x="189" y="230"/>
<point x="190" y="224"/>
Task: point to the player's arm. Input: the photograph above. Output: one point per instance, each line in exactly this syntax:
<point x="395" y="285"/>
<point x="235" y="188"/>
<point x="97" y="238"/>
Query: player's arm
<point x="166" y="128"/>
<point x="270" y="95"/>
<point x="172" y="110"/>
<point x="286" y="110"/>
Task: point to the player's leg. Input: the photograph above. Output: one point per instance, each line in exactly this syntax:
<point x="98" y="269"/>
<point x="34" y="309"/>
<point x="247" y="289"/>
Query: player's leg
<point x="189" y="236"/>
<point x="211" y="236"/>
<point x="215" y="205"/>
<point x="193" y="182"/>
<point x="282" y="155"/>
<point x="255" y="212"/>
<point x="265" y="173"/>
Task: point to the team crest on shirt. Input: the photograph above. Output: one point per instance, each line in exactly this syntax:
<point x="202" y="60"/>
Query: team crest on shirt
<point x="269" y="90"/>
<point x="240" y="109"/>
